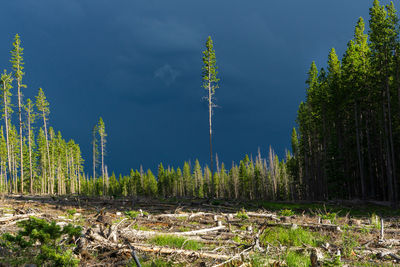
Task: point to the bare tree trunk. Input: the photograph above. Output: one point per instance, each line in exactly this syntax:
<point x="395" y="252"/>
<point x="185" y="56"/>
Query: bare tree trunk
<point x="94" y="160"/>
<point x="53" y="171"/>
<point x="1" y="177"/>
<point x="4" y="170"/>
<point x="15" y="172"/>
<point x="7" y="132"/>
<point x="360" y="160"/>
<point x="20" y="136"/>
<point x="30" y="153"/>
<point x="371" y="179"/>
<point x="59" y="185"/>
<point x="72" y="174"/>
<point x="67" y="170"/>
<point x="210" y="122"/>
<point x="393" y="161"/>
<point x="388" y="164"/>
<point x="14" y="175"/>
<point x="47" y="142"/>
<point x="102" y="164"/>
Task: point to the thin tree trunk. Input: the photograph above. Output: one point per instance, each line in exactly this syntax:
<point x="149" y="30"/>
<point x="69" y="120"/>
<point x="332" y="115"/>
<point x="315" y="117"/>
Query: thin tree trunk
<point x="393" y="161"/>
<point x="20" y="136"/>
<point x="210" y="122"/>
<point x="102" y="164"/>
<point x="371" y="179"/>
<point x="30" y="153"/>
<point x="67" y="170"/>
<point x="53" y="174"/>
<point x="94" y="159"/>
<point x="7" y="131"/>
<point x="360" y="160"/>
<point x="47" y="142"/>
<point x="388" y="164"/>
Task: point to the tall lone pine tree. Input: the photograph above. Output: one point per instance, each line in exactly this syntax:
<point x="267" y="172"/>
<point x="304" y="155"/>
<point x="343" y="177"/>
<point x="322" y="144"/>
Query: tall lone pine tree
<point x="210" y="83"/>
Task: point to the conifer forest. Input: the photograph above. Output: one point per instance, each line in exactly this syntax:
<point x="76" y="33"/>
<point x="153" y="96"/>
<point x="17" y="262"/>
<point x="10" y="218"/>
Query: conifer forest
<point x="332" y="199"/>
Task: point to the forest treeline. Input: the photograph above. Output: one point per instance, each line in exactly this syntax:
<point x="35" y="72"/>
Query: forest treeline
<point x="251" y="179"/>
<point x="349" y="125"/>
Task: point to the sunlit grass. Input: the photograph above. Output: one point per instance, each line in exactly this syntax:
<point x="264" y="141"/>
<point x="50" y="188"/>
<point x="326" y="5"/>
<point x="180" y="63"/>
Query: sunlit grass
<point x="175" y="242"/>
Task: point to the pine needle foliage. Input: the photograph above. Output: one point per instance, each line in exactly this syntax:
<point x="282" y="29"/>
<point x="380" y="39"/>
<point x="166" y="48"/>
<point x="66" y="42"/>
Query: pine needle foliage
<point x="39" y="243"/>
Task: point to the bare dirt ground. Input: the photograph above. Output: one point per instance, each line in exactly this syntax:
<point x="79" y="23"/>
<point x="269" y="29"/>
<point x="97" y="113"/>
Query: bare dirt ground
<point x="219" y="233"/>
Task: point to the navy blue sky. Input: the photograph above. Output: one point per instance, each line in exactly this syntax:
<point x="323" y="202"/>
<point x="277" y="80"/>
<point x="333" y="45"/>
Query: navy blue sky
<point x="138" y="65"/>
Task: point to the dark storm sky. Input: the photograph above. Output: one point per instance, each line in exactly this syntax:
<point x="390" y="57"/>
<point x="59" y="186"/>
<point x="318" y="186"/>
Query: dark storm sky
<point x="138" y="65"/>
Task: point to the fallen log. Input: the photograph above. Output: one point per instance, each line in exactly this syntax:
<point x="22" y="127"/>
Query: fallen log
<point x="21" y="216"/>
<point x="263" y="215"/>
<point x="389" y="242"/>
<point x="147" y="234"/>
<point x="183" y="252"/>
<point x="330" y="227"/>
<point x="201" y="231"/>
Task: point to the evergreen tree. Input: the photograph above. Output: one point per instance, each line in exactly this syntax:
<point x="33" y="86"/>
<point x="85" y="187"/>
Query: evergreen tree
<point x="17" y="66"/>
<point x="95" y="150"/>
<point x="43" y="108"/>
<point x="31" y="116"/>
<point x="161" y="181"/>
<point x="6" y="80"/>
<point x="210" y="83"/>
<point x="102" y="132"/>
<point x="3" y="160"/>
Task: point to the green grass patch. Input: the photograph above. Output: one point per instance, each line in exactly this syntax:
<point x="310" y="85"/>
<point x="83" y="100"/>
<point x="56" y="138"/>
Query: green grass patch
<point x="132" y="214"/>
<point x="242" y="215"/>
<point x="331" y="216"/>
<point x="175" y="242"/>
<point x="146" y="262"/>
<point x="182" y="218"/>
<point x="286" y="212"/>
<point x="349" y="242"/>
<point x="184" y="229"/>
<point x="140" y="227"/>
<point x="288" y="237"/>
<point x="375" y="221"/>
<point x="71" y="212"/>
<point x="294" y="259"/>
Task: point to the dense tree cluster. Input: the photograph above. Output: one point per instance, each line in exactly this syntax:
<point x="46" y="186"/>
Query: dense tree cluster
<point x="251" y="179"/>
<point x="349" y="124"/>
<point x="33" y="157"/>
